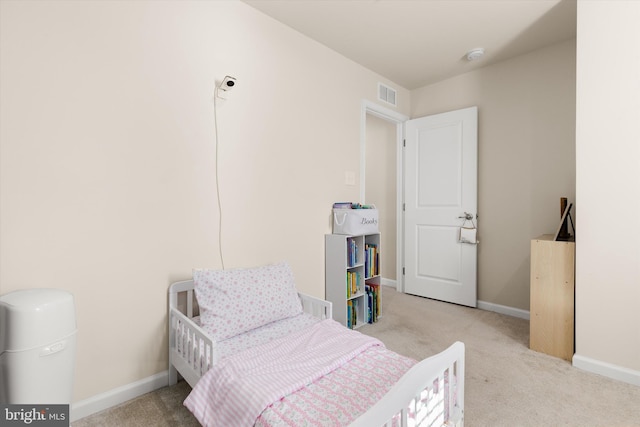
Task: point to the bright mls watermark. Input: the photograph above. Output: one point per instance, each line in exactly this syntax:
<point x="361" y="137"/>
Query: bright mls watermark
<point x="34" y="415"/>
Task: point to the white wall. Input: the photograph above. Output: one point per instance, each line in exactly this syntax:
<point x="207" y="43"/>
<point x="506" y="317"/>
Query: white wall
<point x="608" y="189"/>
<point x="108" y="171"/>
<point x="526" y="158"/>
<point x="381" y="186"/>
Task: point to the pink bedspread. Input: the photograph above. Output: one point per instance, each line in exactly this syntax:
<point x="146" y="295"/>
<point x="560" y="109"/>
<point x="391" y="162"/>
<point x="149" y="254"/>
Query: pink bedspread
<point x="341" y="396"/>
<point x="237" y="389"/>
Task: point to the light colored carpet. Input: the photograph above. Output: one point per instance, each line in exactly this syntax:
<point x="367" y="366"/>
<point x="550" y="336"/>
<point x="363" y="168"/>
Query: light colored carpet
<point x="506" y="383"/>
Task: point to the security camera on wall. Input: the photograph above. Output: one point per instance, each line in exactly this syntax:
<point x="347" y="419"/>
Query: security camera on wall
<point x="226" y="85"/>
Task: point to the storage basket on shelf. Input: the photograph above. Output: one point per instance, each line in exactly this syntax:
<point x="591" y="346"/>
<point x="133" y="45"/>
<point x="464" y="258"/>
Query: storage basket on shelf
<point x="355" y="219"/>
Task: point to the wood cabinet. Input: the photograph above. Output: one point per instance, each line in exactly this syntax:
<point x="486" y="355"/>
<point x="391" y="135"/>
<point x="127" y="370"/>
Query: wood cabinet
<point x="552" y="297"/>
<point x="352" y="278"/>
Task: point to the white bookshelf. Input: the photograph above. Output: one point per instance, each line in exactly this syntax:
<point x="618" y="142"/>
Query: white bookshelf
<point x="352" y="278"/>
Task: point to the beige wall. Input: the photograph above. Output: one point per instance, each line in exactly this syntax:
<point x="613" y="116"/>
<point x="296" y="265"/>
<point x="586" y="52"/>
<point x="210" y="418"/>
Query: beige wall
<point x="526" y="158"/>
<point x="107" y="162"/>
<point x="381" y="186"/>
<point x="108" y="159"/>
<point x="608" y="186"/>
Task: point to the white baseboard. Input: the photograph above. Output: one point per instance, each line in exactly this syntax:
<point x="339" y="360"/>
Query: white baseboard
<point x="483" y="305"/>
<point x="607" y="369"/>
<point x="503" y="309"/>
<point x="387" y="282"/>
<point x="117" y="396"/>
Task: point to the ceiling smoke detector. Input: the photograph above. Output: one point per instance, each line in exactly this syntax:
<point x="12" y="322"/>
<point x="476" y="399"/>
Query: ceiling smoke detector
<point x="475" y="54"/>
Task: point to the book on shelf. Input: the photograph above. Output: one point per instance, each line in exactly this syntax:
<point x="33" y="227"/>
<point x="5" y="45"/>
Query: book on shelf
<point x="371" y="260"/>
<point x="373" y="302"/>
<point x="353" y="283"/>
<point x="352" y="313"/>
<point x="352" y="252"/>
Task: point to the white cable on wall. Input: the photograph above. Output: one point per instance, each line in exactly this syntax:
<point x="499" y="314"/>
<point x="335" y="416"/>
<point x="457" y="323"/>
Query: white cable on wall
<point x="227" y="84"/>
<point x="215" y="123"/>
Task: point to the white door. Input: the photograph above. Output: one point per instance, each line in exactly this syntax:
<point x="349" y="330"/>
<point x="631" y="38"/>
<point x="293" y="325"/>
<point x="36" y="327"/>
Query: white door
<point x="441" y="167"/>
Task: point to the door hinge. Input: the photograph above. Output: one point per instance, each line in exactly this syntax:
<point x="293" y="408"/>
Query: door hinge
<point x="403" y="207"/>
<point x="403" y="271"/>
<point x="404" y="142"/>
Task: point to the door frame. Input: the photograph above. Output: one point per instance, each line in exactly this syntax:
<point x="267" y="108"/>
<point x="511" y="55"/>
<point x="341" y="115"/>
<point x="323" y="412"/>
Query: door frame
<point x="368" y="107"/>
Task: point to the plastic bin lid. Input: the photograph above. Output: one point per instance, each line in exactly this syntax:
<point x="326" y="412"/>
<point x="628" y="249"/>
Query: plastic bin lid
<point x="34" y="317"/>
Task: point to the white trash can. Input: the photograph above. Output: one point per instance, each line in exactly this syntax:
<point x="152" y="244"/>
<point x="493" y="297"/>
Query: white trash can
<point x="37" y="347"/>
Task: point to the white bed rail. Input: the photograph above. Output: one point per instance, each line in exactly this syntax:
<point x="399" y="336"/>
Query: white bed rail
<point x="316" y="307"/>
<point x="435" y="389"/>
<point x="191" y="351"/>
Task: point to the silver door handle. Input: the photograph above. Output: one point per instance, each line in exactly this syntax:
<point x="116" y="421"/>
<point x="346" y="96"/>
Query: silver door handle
<point x="467" y="216"/>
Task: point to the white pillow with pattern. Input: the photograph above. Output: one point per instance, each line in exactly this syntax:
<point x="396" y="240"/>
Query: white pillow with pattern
<point x="239" y="300"/>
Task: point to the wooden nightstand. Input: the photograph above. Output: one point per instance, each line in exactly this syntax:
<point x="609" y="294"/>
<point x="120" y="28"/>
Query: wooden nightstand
<point x="552" y="297"/>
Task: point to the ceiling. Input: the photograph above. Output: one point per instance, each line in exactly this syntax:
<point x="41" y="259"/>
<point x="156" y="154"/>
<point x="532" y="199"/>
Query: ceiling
<point x="414" y="43"/>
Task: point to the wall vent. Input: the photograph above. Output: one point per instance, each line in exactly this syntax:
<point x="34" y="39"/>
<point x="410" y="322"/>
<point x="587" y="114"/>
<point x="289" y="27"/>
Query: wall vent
<point x="388" y="95"/>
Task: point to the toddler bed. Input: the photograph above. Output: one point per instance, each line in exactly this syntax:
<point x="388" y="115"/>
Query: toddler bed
<point x="256" y="352"/>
